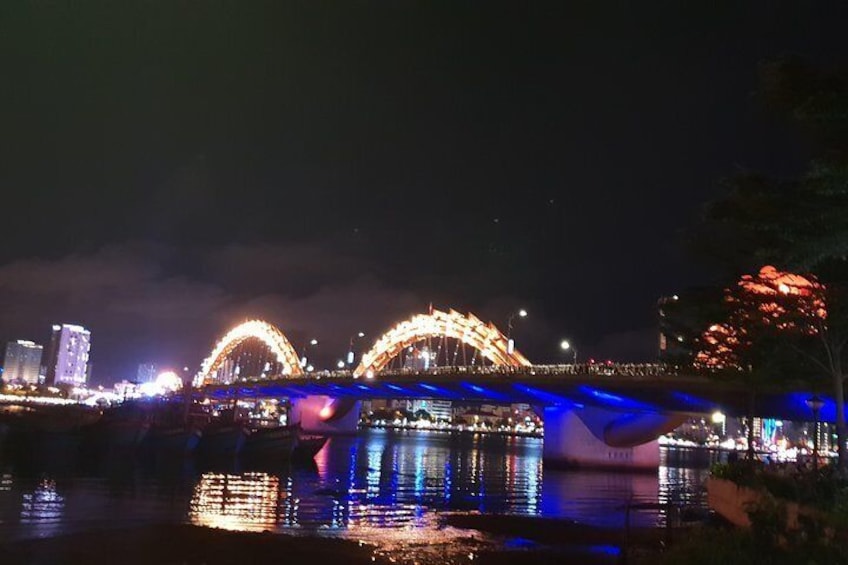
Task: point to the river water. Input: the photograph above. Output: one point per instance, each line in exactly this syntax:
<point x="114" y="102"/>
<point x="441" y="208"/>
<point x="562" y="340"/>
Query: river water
<point x="379" y="486"/>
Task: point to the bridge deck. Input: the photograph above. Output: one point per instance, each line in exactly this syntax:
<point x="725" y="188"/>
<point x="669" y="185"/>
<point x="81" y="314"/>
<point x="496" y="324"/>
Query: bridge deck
<point x="628" y="388"/>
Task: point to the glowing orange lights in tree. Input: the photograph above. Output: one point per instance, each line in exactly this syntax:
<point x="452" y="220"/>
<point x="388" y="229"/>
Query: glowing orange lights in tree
<point x="786" y="299"/>
<point x="719" y="345"/>
<point x="267" y="333"/>
<point x="770" y="302"/>
<point x="485" y="338"/>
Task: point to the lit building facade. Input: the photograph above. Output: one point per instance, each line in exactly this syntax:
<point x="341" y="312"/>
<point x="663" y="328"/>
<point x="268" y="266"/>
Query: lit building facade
<point x="22" y="362"/>
<point x="67" y="355"/>
<point x="439" y="410"/>
<point x="146" y="373"/>
<point x="681" y="320"/>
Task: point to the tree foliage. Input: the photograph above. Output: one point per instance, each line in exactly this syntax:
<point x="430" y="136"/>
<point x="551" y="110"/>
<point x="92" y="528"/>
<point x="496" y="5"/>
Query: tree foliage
<point x="766" y="313"/>
<point x="800" y="224"/>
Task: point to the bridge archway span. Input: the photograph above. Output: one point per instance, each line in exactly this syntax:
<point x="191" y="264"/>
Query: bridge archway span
<point x="486" y="338"/>
<point x="268" y="334"/>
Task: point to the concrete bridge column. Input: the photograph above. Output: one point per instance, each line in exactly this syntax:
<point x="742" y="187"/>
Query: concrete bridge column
<point x="598" y="438"/>
<point x="325" y="415"/>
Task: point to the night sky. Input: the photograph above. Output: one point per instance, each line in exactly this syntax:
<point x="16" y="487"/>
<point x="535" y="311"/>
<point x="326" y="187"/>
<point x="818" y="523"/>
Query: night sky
<point x="170" y="168"/>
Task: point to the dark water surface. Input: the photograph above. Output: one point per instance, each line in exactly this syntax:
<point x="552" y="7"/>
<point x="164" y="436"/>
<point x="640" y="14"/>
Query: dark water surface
<point x="382" y="487"/>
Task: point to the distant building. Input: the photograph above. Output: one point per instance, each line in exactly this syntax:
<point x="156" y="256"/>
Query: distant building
<point x="439" y="410"/>
<point x="420" y="359"/>
<point x="67" y="355"/>
<point x="681" y="320"/>
<point x="125" y="389"/>
<point x="227" y="372"/>
<point x="22" y="362"/>
<point x="146" y="373"/>
<point x="400" y="404"/>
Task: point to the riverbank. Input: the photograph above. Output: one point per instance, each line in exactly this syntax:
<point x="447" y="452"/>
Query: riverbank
<point x="182" y="544"/>
<point x="194" y="545"/>
<point x="558" y="532"/>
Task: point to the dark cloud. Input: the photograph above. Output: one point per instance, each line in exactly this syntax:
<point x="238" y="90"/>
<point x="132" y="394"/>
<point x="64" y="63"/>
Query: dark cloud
<point x="295" y="269"/>
<point x="634" y="346"/>
<point x="137" y="312"/>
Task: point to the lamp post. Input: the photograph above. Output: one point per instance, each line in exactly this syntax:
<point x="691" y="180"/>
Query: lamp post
<point x="304" y="359"/>
<point x="510" y="343"/>
<point x="565" y="345"/>
<point x="815" y="404"/>
<point x="188" y="381"/>
<point x="350" y="355"/>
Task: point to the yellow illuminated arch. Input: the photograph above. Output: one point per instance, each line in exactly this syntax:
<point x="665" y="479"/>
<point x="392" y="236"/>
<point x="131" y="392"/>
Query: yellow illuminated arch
<point x="269" y="334"/>
<point x="485" y="338"/>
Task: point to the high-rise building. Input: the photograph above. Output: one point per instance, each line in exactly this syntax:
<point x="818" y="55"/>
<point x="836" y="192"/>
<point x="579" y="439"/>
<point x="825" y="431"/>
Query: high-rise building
<point x="146" y="373"/>
<point x="67" y="355"/>
<point x="22" y="362"/>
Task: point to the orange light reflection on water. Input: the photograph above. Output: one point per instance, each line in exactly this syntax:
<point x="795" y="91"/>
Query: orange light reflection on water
<point x="246" y="502"/>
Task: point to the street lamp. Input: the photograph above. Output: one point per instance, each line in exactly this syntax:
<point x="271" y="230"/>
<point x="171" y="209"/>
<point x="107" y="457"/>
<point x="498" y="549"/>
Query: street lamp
<point x="303" y="360"/>
<point x="510" y="343"/>
<point x="350" y="355"/>
<point x="565" y="345"/>
<point x="815" y="404"/>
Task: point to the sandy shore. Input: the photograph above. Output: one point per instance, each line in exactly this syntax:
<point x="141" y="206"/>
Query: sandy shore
<point x="193" y="545"/>
<point x="555" y="531"/>
<point x="182" y="545"/>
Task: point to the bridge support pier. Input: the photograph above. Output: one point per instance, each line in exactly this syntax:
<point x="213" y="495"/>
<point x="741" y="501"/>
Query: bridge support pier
<point x="325" y="415"/>
<point x="598" y="438"/>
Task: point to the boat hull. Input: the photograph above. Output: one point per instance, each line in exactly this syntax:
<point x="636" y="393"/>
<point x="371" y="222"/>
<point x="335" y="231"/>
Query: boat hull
<point x="271" y="442"/>
<point x="309" y="446"/>
<point x="124" y="434"/>
<point x="174" y="440"/>
<point x="225" y="440"/>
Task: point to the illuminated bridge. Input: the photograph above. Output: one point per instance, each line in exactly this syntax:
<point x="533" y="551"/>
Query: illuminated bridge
<point x="595" y="414"/>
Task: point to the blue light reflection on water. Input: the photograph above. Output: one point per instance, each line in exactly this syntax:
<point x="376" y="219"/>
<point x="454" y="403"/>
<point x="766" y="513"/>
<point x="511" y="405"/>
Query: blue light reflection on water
<point x="376" y="480"/>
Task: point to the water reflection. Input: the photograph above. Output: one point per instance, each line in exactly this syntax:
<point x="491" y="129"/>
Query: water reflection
<point x="397" y="481"/>
<point x="376" y="486"/>
<point x="42" y="509"/>
<point x="235" y="502"/>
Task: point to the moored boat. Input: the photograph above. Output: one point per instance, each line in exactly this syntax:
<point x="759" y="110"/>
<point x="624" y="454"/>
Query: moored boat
<point x="174" y="439"/>
<point x="124" y="434"/>
<point x="49" y="427"/>
<point x="227" y="439"/>
<point x="308" y="446"/>
<point x="276" y="442"/>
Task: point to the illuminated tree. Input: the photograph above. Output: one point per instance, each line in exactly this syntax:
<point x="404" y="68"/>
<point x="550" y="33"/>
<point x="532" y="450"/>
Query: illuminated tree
<point x="765" y="310"/>
<point x="770" y="316"/>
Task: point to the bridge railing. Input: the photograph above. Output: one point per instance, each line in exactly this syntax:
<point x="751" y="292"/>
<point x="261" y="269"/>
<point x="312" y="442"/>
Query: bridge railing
<point x="635" y="370"/>
<point x="592" y="369"/>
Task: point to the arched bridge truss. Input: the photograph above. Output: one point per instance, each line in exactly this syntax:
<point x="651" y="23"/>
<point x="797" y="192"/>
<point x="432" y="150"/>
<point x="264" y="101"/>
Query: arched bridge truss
<point x="485" y="339"/>
<point x="280" y="347"/>
<point x="434" y="329"/>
